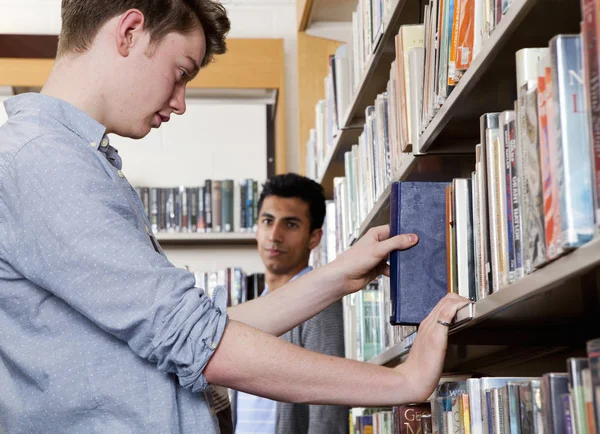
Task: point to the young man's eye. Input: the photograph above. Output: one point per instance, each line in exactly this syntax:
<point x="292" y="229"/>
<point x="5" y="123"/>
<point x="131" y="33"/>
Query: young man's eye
<point x="292" y="225"/>
<point x="182" y="74"/>
<point x="266" y="221"/>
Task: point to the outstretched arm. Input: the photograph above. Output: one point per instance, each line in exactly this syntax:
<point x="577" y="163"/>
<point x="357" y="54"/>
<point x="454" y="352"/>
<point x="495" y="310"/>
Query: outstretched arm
<point x="255" y="362"/>
<point x="302" y="298"/>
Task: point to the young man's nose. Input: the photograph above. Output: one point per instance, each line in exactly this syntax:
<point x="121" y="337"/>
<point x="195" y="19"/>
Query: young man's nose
<point x="276" y="233"/>
<point x="178" y="100"/>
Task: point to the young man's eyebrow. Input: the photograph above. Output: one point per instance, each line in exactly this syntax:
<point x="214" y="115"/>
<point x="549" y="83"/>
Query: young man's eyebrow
<point x="195" y="69"/>
<point x="287" y="219"/>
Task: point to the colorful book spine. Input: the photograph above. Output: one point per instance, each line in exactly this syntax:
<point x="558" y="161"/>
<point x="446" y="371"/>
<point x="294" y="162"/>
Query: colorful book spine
<point x="572" y="147"/>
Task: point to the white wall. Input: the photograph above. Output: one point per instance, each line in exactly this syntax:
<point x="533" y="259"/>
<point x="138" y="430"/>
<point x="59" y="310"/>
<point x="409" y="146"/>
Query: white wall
<point x="214" y="139"/>
<point x="249" y="19"/>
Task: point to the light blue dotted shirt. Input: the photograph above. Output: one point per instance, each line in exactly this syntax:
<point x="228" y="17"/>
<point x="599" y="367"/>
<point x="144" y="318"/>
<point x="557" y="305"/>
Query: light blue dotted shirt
<point x="99" y="332"/>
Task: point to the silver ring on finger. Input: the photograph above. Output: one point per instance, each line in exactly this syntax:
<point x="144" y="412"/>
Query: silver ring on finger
<point x="444" y="323"/>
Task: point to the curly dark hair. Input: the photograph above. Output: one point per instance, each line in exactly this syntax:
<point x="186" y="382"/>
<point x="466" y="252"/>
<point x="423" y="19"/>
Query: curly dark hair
<point x="294" y="185"/>
<point x="81" y="20"/>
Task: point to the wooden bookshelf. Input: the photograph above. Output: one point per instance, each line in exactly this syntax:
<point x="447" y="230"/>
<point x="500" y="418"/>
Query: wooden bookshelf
<point x="533" y="325"/>
<point x="550" y="312"/>
<point x="207" y="238"/>
<point x="311" y="12"/>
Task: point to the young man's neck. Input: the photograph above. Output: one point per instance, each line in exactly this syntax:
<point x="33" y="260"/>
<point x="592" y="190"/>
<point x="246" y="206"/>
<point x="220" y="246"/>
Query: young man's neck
<point x="276" y="281"/>
<point x="75" y="82"/>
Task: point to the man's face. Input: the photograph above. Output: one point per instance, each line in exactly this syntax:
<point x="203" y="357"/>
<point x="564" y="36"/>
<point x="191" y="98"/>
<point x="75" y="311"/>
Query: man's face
<point x="284" y="236"/>
<point x="158" y="78"/>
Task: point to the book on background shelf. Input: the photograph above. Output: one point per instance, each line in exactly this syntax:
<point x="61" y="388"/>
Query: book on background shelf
<point x="240" y="286"/>
<point x="217" y="206"/>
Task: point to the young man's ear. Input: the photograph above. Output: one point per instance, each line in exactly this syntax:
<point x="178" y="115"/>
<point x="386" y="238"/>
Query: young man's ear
<point x="128" y="32"/>
<point x="315" y="238"/>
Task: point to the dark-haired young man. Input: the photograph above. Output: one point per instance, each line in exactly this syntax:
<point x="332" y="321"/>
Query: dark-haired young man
<point x="291" y="210"/>
<point x="99" y="331"/>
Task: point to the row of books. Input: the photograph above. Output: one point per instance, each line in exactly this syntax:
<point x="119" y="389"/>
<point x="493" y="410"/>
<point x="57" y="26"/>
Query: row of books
<point x="216" y="206"/>
<point x="430" y="60"/>
<point x="367" y="327"/>
<point x="329" y="112"/>
<point x="326" y="251"/>
<point x="454" y="32"/>
<point x="529" y="200"/>
<point x="240" y="286"/>
<point x="557" y="403"/>
<point x="533" y="197"/>
<point x="403" y="419"/>
<point x="368" y="23"/>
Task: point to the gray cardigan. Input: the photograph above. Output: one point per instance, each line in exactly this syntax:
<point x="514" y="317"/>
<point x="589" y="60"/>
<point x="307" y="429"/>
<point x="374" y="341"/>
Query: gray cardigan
<point x="324" y="333"/>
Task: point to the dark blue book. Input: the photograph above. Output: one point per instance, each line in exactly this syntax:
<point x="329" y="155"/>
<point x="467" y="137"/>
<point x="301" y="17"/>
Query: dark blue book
<point x="418" y="276"/>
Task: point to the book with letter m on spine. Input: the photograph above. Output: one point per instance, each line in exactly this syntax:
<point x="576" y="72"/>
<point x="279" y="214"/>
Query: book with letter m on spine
<point x="418" y="276"/>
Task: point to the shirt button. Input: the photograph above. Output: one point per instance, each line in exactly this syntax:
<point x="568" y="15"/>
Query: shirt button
<point x="104" y="143"/>
<point x="213" y="345"/>
<point x="93" y="144"/>
<point x="147" y="230"/>
<point x="120" y="174"/>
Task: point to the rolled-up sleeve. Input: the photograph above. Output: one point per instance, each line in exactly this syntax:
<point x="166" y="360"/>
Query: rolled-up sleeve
<point x="68" y="224"/>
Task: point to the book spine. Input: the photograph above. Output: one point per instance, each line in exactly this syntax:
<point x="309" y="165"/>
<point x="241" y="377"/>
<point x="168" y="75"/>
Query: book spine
<point x="507" y="187"/>
<point x="201" y="215"/>
<point x="475" y="231"/>
<point x="154" y="209"/>
<point x="255" y="197"/>
<point x="394" y="256"/>
<point x="589" y="13"/>
<point x="208" y="214"/>
<point x="516" y="198"/>
<point x="193" y="201"/>
<point x="249" y="205"/>
<point x="243" y="209"/>
<point x="184" y="210"/>
<point x="572" y="147"/>
<point x="227" y="205"/>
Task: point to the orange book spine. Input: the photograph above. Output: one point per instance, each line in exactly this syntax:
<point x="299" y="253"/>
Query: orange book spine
<point x="466" y="34"/>
<point x="449" y="237"/>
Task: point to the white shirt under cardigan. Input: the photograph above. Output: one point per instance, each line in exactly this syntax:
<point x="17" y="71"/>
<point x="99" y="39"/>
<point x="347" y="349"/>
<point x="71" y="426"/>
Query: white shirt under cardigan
<point x="255" y="415"/>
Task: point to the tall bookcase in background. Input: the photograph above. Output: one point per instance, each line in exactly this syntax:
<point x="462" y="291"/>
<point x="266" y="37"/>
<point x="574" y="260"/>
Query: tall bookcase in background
<point x="531" y="326"/>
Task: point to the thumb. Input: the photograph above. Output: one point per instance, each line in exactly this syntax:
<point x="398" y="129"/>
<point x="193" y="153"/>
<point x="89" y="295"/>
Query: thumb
<point x="399" y="242"/>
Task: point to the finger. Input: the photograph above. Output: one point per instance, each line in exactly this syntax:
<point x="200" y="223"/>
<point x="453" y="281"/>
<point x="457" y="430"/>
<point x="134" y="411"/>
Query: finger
<point x="399" y="242"/>
<point x="379" y="233"/>
<point x="383" y="269"/>
<point x="450" y="306"/>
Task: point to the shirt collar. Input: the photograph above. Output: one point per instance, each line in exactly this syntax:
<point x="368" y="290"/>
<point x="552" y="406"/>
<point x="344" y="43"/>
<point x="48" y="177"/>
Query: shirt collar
<point x="300" y="274"/>
<point x="72" y="118"/>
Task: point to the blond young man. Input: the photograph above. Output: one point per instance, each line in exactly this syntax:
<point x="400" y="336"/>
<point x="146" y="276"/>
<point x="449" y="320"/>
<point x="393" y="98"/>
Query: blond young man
<point x="99" y="332"/>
